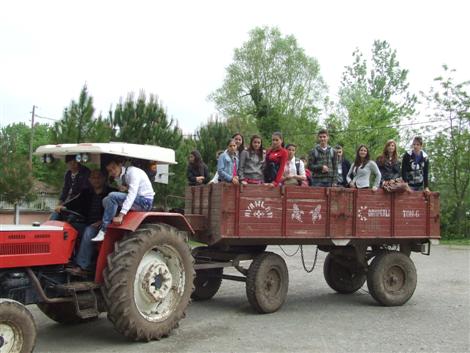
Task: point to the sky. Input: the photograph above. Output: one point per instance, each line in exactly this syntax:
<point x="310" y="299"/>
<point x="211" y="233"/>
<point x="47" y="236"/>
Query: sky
<point x="179" y="50"/>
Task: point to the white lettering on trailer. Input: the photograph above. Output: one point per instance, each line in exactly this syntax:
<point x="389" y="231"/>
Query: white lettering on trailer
<point x="381" y="212"/>
<point x="258" y="209"/>
<point x="410" y="213"/>
<point x="364" y="213"/>
<point x="316" y="215"/>
<point x="297" y="213"/>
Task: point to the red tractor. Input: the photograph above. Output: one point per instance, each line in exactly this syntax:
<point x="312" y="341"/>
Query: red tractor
<point x="144" y="269"/>
<point x="146" y="273"/>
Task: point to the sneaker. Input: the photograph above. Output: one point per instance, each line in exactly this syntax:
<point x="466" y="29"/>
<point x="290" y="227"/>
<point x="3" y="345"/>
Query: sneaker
<point x="99" y="236"/>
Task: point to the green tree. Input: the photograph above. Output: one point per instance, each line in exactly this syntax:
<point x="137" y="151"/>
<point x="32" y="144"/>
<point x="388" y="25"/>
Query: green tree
<point x="143" y="120"/>
<point x="78" y="123"/>
<point x="450" y="152"/>
<point x="374" y="98"/>
<point x="271" y="82"/>
<point x="210" y="138"/>
<point x="16" y="178"/>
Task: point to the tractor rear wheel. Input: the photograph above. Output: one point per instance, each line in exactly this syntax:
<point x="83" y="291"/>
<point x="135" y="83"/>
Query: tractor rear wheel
<point x="17" y="328"/>
<point x="391" y="278"/>
<point x="207" y="283"/>
<point x="267" y="282"/>
<point x="148" y="282"/>
<point x="344" y="276"/>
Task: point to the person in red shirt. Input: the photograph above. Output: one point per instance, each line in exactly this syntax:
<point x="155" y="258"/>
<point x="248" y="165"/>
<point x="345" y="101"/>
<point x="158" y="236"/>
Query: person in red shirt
<point x="276" y="159"/>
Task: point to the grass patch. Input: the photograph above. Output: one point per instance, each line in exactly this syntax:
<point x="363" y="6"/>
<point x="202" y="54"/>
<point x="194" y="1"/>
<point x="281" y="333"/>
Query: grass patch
<point x="461" y="241"/>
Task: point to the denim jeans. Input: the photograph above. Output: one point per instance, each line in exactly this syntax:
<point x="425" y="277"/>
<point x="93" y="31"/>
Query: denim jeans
<point x="55" y="217"/>
<point x="321" y="183"/>
<point x="86" y="250"/>
<point x="115" y="200"/>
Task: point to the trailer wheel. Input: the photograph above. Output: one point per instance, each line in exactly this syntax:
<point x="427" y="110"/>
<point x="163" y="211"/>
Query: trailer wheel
<point x="267" y="283"/>
<point x="17" y="328"/>
<point x="343" y="279"/>
<point x="391" y="278"/>
<point x="207" y="283"/>
<point x="63" y="313"/>
<point x="148" y="282"/>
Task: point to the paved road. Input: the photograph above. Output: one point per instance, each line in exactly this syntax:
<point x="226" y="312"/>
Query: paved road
<point x="313" y="319"/>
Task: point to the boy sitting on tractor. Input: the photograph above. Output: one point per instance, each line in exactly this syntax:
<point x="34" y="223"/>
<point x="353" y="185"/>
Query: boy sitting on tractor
<point x="139" y="196"/>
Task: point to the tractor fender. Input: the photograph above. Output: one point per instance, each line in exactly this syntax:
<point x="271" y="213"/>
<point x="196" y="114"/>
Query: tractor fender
<point x="133" y="220"/>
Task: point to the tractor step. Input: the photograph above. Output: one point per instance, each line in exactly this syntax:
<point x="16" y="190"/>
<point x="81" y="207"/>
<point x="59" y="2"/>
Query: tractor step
<point x="88" y="313"/>
<point x="77" y="287"/>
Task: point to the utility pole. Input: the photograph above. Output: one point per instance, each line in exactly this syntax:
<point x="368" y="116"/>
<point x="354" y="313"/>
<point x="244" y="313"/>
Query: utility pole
<point x="32" y="137"/>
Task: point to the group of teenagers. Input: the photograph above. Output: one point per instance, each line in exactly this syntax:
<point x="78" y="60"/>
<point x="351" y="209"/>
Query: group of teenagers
<point x="325" y="166"/>
<point x="89" y="193"/>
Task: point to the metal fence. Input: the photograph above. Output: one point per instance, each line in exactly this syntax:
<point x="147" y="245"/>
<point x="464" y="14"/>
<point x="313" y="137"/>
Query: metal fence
<point x="43" y="202"/>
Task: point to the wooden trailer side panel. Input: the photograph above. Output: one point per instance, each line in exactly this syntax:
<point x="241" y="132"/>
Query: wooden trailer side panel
<point x="341" y="220"/>
<point x="306" y="212"/>
<point x="434" y="218"/>
<point x="260" y="212"/>
<point x="410" y="214"/>
<point x="234" y="213"/>
<point x="373" y="214"/>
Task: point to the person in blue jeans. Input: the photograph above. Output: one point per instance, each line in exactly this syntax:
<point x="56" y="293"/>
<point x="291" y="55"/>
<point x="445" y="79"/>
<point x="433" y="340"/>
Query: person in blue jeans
<point x="139" y="196"/>
<point x="89" y="205"/>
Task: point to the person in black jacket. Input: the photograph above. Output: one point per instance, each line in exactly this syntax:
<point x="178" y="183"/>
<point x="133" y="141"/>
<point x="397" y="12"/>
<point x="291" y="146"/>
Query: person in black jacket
<point x="75" y="181"/>
<point x="415" y="167"/>
<point x="90" y="205"/>
<point x="343" y="166"/>
<point x="197" y="171"/>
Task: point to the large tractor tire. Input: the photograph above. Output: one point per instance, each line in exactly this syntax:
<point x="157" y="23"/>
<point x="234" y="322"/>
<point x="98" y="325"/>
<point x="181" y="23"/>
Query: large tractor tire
<point x="341" y="277"/>
<point x="17" y="328"/>
<point x="207" y="283"/>
<point x="63" y="313"/>
<point x="267" y="283"/>
<point x="392" y="278"/>
<point x="148" y="282"/>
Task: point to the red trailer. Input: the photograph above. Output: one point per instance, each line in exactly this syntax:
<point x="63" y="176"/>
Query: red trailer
<point x="144" y="273"/>
<point x="368" y="236"/>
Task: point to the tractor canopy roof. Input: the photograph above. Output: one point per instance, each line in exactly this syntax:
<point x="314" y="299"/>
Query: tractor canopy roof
<point x="94" y="150"/>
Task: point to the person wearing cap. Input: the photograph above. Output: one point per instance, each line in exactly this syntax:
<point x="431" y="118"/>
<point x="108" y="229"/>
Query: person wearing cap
<point x="75" y="181"/>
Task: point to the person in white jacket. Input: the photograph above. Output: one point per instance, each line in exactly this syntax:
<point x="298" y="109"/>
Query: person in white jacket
<point x="139" y="196"/>
<point x="360" y="171"/>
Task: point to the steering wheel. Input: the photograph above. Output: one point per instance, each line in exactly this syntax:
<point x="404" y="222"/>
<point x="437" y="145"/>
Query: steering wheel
<point x="72" y="215"/>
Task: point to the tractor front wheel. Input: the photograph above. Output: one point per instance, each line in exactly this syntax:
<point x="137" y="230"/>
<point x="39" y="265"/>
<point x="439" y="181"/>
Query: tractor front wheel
<point x="148" y="282"/>
<point x="17" y="328"/>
